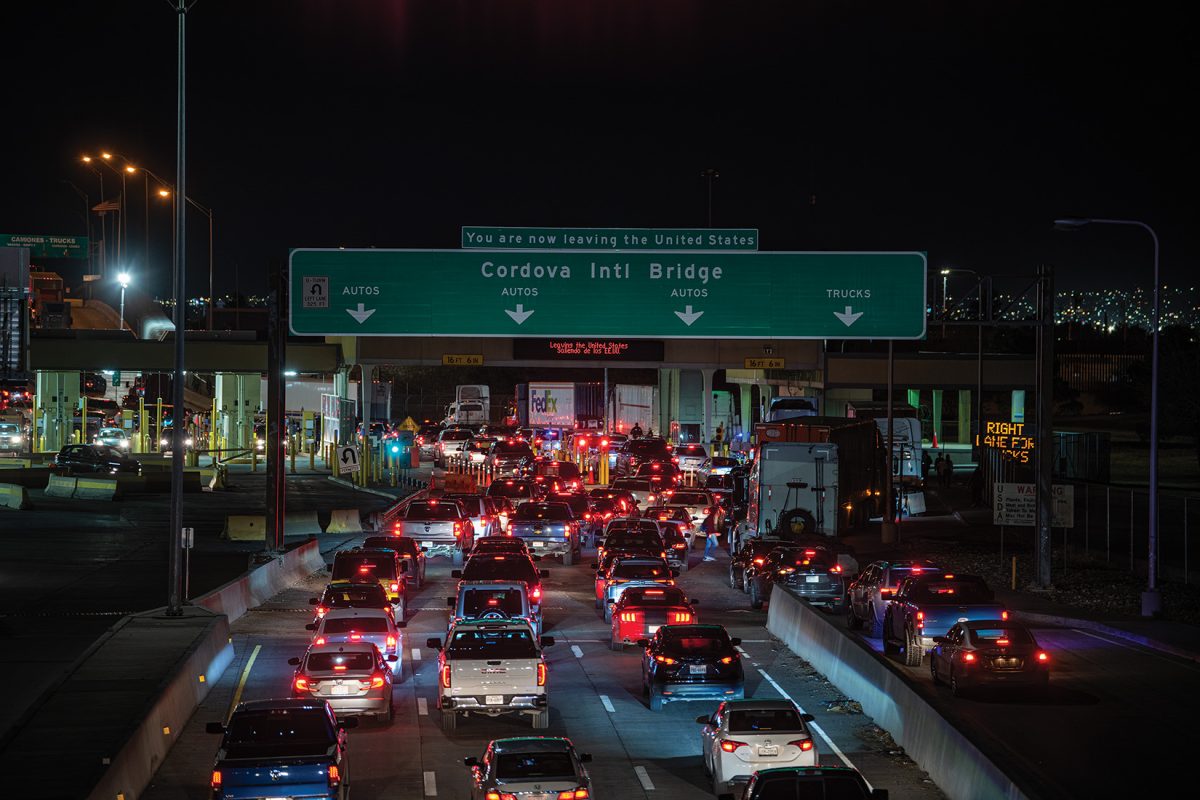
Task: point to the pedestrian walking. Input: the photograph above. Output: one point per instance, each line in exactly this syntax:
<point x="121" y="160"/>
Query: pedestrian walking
<point x="712" y="539"/>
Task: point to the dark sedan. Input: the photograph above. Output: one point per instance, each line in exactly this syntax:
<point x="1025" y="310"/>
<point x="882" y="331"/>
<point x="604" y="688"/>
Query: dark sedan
<point x="94" y="458"/>
<point x="691" y="662"/>
<point x="988" y="653"/>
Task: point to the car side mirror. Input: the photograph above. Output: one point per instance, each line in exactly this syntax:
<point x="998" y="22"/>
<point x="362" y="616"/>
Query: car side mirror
<point x="585" y="758"/>
<point x="348" y="723"/>
<point x="643" y="642"/>
<point x="735" y="641"/>
<point x="312" y="601"/>
<point x="547" y="641"/>
<point x="703" y="720"/>
<point x="807" y="718"/>
<point x="393" y="658"/>
<point x="939" y="639"/>
<point x="312" y="626"/>
<point x="545" y="573"/>
<point x="456" y="573"/>
<point x="693" y="601"/>
<point x="451" y="602"/>
<point x="295" y="662"/>
<point x="471" y="762"/>
<point x="433" y="643"/>
<point x="214" y="727"/>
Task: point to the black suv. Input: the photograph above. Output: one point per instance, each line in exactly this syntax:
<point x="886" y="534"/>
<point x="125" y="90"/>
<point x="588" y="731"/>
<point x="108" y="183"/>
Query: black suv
<point x="640" y="451"/>
<point x="790" y="783"/>
<point x="76" y="458"/>
<point x="691" y="662"/>
<point x="812" y="573"/>
<point x="749" y="561"/>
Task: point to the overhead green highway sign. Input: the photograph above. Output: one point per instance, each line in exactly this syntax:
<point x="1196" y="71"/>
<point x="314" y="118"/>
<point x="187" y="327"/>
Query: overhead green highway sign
<point x="48" y="246"/>
<point x="654" y="295"/>
<point x="485" y="238"/>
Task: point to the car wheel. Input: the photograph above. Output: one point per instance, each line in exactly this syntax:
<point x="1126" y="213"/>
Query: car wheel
<point x="656" y="699"/>
<point x="913" y="651"/>
<point x="569" y="557"/>
<point x="734" y="583"/>
<point x="873" y="622"/>
<point x="449" y="720"/>
<point x="933" y="673"/>
<point x="391" y="713"/>
<point x="541" y="719"/>
<point x="457" y="558"/>
<point x="607" y="613"/>
<point x="756" y="601"/>
<point x="889" y="647"/>
<point x="956" y="689"/>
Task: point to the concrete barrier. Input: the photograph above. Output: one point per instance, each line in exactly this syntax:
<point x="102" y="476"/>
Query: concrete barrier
<point x="211" y="478"/>
<point x="13" y="496"/>
<point x="301" y="523"/>
<point x="956" y="765"/>
<point x="245" y="527"/>
<point x="16" y="463"/>
<point x="95" y="489"/>
<point x="60" y="486"/>
<point x="344" y="520"/>
<point x="262" y="583"/>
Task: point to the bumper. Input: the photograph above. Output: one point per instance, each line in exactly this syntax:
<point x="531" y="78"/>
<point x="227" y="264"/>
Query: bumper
<point x="983" y="677"/>
<point x="509" y="703"/>
<point x="374" y="703"/>
<point x="823" y="597"/>
<point x="715" y="690"/>
<point x="545" y="544"/>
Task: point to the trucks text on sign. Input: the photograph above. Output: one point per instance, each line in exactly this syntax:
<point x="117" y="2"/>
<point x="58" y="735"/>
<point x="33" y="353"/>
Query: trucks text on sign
<point x="1010" y="438"/>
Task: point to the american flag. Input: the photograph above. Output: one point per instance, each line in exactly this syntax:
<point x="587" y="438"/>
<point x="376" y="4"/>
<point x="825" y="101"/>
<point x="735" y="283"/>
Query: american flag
<point x="107" y="205"/>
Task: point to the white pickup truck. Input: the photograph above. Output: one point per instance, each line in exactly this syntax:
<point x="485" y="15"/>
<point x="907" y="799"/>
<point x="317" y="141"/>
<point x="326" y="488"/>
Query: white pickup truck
<point x="492" y="667"/>
<point x="441" y="527"/>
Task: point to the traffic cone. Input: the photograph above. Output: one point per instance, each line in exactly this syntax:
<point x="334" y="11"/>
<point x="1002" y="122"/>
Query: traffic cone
<point x="935" y="444"/>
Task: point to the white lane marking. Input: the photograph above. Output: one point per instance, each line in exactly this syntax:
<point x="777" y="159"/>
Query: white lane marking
<point x="1130" y="646"/>
<point x="608" y="706"/>
<point x="416" y="654"/>
<point x="820" y="731"/>
<point x="430" y="784"/>
<point x="575" y="649"/>
<point x="740" y="650"/>
<point x="647" y="784"/>
<point x="422" y="707"/>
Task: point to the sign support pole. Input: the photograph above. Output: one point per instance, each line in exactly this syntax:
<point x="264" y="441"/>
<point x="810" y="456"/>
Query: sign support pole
<point x="1045" y="434"/>
<point x="888" y="528"/>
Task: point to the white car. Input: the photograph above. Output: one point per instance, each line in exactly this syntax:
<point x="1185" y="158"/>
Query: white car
<point x="689" y="457"/>
<point x="352" y="625"/>
<point x="716" y="465"/>
<point x="743" y="736"/>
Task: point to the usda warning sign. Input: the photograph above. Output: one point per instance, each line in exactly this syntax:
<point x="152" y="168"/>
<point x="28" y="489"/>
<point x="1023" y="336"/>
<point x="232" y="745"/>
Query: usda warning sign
<point x="1016" y="504"/>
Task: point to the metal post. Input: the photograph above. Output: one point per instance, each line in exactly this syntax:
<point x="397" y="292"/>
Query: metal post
<point x="1045" y="422"/>
<point x="174" y="601"/>
<point x="1087" y="517"/>
<point x="1131" y="530"/>
<point x="1185" y="541"/>
<point x="888" y="529"/>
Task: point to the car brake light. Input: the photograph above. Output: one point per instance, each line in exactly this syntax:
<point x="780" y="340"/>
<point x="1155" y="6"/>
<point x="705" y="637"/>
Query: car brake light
<point x="322" y="611"/>
<point x="629" y="616"/>
<point x="1002" y="642"/>
<point x="301" y="684"/>
<point x="339" y="667"/>
<point x="803" y="744"/>
<point x="810" y="553"/>
<point x="728" y="659"/>
<point x="355" y="637"/>
<point x="391" y="642"/>
<point x="335" y="775"/>
<point x="678" y="617"/>
<point x="1004" y="616"/>
<point x="363" y="570"/>
<point x="884" y="590"/>
<point x="319" y="640"/>
<point x="706" y="511"/>
<point x="968" y="657"/>
<point x="536" y="593"/>
<point x="1043" y="657"/>
<point x="445" y="676"/>
<point x="760" y="561"/>
<point x="541" y="673"/>
<point x="948" y="576"/>
<point x="664" y="659"/>
<point x="216" y="779"/>
<point x="574" y="794"/>
<point x="729" y="745"/>
<point x="835" y="569"/>
<point x="376" y="681"/>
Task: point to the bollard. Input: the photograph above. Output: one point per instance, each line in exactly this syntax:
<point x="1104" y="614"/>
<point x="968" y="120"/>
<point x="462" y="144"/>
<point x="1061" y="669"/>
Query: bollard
<point x="292" y="452"/>
<point x="254" y="458"/>
<point x="311" y="457"/>
<point x="1014" y="573"/>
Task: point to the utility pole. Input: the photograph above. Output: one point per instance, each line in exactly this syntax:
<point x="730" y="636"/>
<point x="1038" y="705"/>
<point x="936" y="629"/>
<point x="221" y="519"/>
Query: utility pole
<point x="276" y="490"/>
<point x="1045" y="425"/>
<point x="711" y="174"/>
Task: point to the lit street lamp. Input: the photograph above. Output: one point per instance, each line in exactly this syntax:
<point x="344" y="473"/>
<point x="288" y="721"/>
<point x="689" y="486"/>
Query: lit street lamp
<point x="123" y="279"/>
<point x="1151" y="598"/>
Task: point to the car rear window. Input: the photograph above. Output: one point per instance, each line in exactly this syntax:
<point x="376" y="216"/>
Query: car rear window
<point x="433" y="511"/>
<point x="983" y="637"/>
<point x="369" y="594"/>
<point x="690" y="498"/>
<point x="488" y="644"/>
<point x="534" y="766"/>
<point x="649" y="572"/>
<point x="510" y="489"/>
<point x="356" y="625"/>
<point x="765" y="720"/>
<point x="512" y="449"/>
<point x="718" y="482"/>
<point x="556" y="469"/>
<point x="516" y="567"/>
<point x="690" y="450"/>
<point x="548" y="511"/>
<point x="626" y="538"/>
<point x="667" y="596"/>
<point x="951" y="591"/>
<point x="456" y="436"/>
<point x="373" y="567"/>
<point x="295" y="727"/>
<point x="631" y="485"/>
<point x="697" y="643"/>
<point x="480" y="601"/>
<point x="330" y="662"/>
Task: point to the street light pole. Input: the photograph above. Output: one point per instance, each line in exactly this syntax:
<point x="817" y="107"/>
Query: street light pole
<point x="1152" y="597"/>
<point x="123" y="279"/>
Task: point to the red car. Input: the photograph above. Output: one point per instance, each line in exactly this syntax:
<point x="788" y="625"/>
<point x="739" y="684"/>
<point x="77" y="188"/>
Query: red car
<point x="643" y="610"/>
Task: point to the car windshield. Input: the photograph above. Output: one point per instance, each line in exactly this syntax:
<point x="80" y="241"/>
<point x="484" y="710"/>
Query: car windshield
<point x="340" y="662"/>
<point x="547" y="511"/>
<point x="534" y="766"/>
<point x="490" y="568"/>
<point x="696" y="642"/>
<point x="433" y="511"/>
<point x="280" y="727"/>
<point x="984" y="637"/>
<point x="763" y="720"/>
<point x="480" y="601"/>
<point x="366" y="567"/>
<point x="356" y="625"/>
<point x="363" y="595"/>
<point x="667" y="596"/>
<point x="491" y="644"/>
<point x="649" y="572"/>
<point x="957" y="591"/>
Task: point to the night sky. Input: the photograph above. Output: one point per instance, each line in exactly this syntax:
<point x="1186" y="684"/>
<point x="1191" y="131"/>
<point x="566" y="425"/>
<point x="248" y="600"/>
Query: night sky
<point x="961" y="129"/>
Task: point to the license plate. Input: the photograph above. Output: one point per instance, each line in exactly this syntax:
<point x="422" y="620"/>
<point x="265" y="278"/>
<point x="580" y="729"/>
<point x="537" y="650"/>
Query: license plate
<point x="426" y="544"/>
<point x="539" y="544"/>
<point x="773" y="750"/>
<point x="340" y="690"/>
<point x="698" y="669"/>
<point x="812" y="578"/>
<point x="653" y="629"/>
<point x="494" y="700"/>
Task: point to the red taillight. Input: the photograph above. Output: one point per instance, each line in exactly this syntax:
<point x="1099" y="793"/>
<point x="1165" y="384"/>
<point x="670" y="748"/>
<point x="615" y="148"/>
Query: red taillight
<point x="884" y="590"/>
<point x="541" y="673"/>
<point x="665" y="660"/>
<point x="376" y="681"/>
<point x="629" y="616"/>
<point x="1004" y="616"/>
<point x="968" y="658"/>
<point x="458" y="529"/>
<point x="335" y="775"/>
<point x="760" y="561"/>
<point x="728" y="659"/>
<point x="1002" y="642"/>
<point x="319" y="640"/>
<point x="445" y="676"/>
<point x="363" y="570"/>
<point x="216" y="779"/>
<point x="322" y="611"/>
<point x="574" y="794"/>
<point x="679" y="617"/>
<point x="810" y="553"/>
<point x="395" y="586"/>
<point x="339" y="667"/>
<point x="835" y="569"/>
<point x="803" y="744"/>
<point x="1043" y="657"/>
<point x="706" y="511"/>
<point x="355" y="637"/>
<point x="729" y="745"/>
<point x="536" y="593"/>
<point x="301" y="684"/>
<point x="391" y="642"/>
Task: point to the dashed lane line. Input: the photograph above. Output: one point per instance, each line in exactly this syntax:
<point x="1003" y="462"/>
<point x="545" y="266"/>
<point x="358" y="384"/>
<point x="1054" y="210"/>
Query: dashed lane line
<point x="642" y="776"/>
<point x="430" y="783"/>
<point x="575" y="649"/>
<point x="416" y="654"/>
<point x="608" y="706"/>
<point x="422" y="707"/>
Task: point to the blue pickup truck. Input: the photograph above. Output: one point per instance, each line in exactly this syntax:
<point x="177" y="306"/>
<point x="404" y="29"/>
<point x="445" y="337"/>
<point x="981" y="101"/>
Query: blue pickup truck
<point x="281" y="748"/>
<point x="926" y="606"/>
